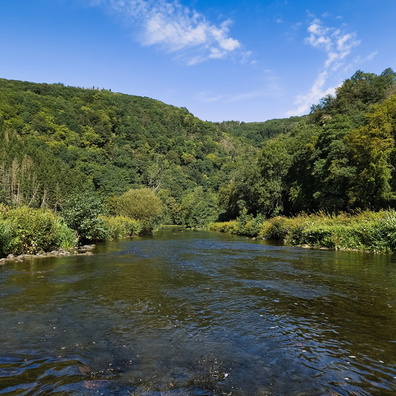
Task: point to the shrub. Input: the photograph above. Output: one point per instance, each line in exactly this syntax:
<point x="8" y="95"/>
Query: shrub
<point x="27" y="230"/>
<point x="81" y="213"/>
<point x="5" y="237"/>
<point x="121" y="227"/>
<point x="139" y="204"/>
<point x="372" y="231"/>
<point x="227" y="226"/>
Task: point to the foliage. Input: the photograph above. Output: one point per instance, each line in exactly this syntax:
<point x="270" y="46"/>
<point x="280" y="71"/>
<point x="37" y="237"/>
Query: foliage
<point x="341" y="158"/>
<point x="373" y="150"/>
<point x="368" y="231"/>
<point x="69" y="148"/>
<point x="81" y="213"/>
<point x="5" y="237"/>
<point x="199" y="208"/>
<point x="109" y="141"/>
<point x="225" y="226"/>
<point x="356" y="95"/>
<point x="258" y="133"/>
<point x="121" y="227"/>
<point x="25" y="230"/>
<point x="139" y="204"/>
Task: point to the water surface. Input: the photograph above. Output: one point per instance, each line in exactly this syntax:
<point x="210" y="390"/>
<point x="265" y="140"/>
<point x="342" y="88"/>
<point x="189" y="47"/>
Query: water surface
<point x="199" y="313"/>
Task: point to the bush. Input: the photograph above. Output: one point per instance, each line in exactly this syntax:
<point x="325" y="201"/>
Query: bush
<point x="121" y="227"/>
<point x="139" y="204"/>
<point x="26" y="230"/>
<point x="276" y="229"/>
<point x="5" y="237"/>
<point x="81" y="213"/>
<point x="227" y="226"/>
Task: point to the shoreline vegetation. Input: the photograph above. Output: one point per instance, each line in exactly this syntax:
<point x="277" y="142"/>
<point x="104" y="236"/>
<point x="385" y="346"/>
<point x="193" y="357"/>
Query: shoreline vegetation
<point x="366" y="231"/>
<point x="26" y="232"/>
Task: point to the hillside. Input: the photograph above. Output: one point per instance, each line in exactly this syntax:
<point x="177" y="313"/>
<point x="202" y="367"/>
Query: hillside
<point x="57" y="139"/>
<point x="257" y="133"/>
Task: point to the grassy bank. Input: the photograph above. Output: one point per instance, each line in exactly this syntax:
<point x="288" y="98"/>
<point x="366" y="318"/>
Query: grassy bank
<point x="366" y="231"/>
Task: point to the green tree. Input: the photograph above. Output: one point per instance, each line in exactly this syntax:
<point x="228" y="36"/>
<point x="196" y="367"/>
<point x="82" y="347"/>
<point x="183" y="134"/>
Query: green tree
<point x="140" y="204"/>
<point x="81" y="213"/>
<point x="373" y="152"/>
<point x="321" y="173"/>
<point x="199" y="208"/>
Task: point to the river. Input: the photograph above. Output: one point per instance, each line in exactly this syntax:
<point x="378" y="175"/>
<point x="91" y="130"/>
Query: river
<point x="199" y="313"/>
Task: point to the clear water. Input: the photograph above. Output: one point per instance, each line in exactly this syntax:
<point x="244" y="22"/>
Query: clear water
<point x="199" y="313"/>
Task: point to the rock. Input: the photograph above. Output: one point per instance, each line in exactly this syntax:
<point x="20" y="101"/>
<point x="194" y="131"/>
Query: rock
<point x="86" y="248"/>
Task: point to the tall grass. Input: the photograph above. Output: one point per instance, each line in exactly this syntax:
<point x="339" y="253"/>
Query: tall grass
<point x="370" y="231"/>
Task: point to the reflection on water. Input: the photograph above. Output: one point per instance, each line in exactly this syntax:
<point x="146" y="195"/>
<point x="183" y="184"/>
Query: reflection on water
<point x="195" y="313"/>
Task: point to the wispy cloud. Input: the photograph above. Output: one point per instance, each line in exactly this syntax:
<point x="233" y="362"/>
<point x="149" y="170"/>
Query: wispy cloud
<point x="229" y="98"/>
<point x="269" y="87"/>
<point x="337" y="45"/>
<point x="177" y="29"/>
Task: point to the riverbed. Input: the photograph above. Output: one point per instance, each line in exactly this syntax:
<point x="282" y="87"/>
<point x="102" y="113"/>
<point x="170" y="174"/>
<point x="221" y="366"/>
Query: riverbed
<point x="199" y="313"/>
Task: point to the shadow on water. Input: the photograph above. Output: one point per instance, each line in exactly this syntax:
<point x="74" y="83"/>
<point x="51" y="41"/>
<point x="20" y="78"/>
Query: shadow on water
<point x="199" y="313"/>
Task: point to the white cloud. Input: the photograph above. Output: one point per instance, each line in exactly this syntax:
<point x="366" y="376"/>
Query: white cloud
<point x="337" y="45"/>
<point x="229" y="98"/>
<point x="176" y="29"/>
<point x="367" y="58"/>
<point x="316" y="92"/>
<point x="270" y="87"/>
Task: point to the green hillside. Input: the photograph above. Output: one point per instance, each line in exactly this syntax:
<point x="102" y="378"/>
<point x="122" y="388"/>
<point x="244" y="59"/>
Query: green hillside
<point x="57" y="139"/>
<point x="257" y="133"/>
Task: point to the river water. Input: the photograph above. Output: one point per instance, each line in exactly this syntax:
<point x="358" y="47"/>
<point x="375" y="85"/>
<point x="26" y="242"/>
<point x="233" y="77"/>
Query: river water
<point x="199" y="313"/>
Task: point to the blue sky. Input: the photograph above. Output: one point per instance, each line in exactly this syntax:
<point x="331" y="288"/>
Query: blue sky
<point x="239" y="60"/>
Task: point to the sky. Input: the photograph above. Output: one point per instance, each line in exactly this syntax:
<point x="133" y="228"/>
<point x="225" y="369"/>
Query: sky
<point x="242" y="60"/>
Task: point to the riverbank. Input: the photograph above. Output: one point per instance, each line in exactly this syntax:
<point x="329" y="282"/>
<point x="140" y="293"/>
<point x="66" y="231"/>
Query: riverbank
<point x="76" y="251"/>
<point x="365" y="231"/>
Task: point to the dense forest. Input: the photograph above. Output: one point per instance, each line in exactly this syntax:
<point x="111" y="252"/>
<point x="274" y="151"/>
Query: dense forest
<point x="106" y="164"/>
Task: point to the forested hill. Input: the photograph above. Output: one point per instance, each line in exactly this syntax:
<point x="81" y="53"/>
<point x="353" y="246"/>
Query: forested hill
<point x="58" y="141"/>
<point x="257" y="133"/>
